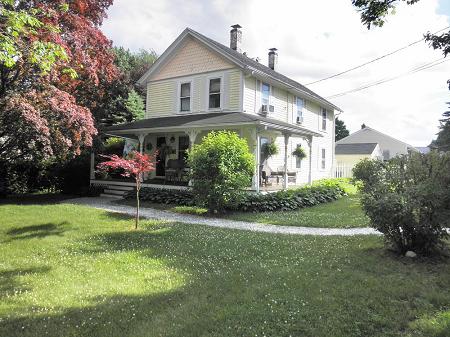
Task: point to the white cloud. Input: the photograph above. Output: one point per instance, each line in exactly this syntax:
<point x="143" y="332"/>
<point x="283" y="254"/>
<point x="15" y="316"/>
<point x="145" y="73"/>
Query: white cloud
<point x="315" y="39"/>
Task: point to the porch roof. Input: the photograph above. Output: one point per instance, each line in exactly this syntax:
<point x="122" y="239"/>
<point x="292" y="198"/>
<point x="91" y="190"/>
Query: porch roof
<point x="205" y="120"/>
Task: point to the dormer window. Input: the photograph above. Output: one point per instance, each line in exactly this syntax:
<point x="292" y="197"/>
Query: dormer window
<point x="324" y="119"/>
<point x="185" y="97"/>
<point x="300" y="103"/>
<point x="214" y="93"/>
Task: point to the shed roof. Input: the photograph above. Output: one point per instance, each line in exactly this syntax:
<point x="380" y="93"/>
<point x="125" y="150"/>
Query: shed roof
<point x="355" y="148"/>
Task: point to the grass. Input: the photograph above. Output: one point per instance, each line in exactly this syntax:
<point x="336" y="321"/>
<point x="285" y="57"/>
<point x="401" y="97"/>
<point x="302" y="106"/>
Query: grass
<point x="345" y="212"/>
<point x="342" y="213"/>
<point x="70" y="270"/>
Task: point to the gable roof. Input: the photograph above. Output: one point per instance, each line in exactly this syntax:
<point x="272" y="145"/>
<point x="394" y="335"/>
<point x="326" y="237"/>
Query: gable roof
<point x="343" y="140"/>
<point x="241" y="60"/>
<point x="356" y="148"/>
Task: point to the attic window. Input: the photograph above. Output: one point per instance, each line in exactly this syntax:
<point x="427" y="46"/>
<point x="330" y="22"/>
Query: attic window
<point x="214" y="93"/>
<point x="185" y="97"/>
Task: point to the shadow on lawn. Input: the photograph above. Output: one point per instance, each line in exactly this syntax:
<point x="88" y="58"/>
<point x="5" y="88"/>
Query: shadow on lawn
<point x="36" y="199"/>
<point x="37" y="231"/>
<point x="9" y="283"/>
<point x="228" y="279"/>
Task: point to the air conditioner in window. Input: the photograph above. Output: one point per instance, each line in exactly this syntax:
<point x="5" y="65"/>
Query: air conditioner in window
<point x="299" y="119"/>
<point x="271" y="108"/>
<point x="263" y="111"/>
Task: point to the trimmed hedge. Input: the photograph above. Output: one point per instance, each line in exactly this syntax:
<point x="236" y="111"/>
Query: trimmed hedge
<point x="163" y="196"/>
<point x="290" y="199"/>
<point x="322" y="191"/>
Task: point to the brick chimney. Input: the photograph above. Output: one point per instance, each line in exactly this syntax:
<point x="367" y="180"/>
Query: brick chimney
<point x="273" y="58"/>
<point x="236" y="38"/>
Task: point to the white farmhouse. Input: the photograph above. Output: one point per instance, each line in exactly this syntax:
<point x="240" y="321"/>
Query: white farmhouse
<point x="198" y="85"/>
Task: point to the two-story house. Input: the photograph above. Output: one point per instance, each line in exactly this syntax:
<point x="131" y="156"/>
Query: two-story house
<point x="198" y="85"/>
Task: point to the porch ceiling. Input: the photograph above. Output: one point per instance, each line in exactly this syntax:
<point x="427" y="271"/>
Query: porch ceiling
<point x="206" y="120"/>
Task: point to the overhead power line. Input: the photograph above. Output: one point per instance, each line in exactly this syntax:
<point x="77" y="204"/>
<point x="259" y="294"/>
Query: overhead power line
<point x="375" y="59"/>
<point x="388" y="79"/>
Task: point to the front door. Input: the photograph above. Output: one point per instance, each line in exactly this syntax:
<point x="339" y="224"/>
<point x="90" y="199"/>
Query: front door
<point x="160" y="162"/>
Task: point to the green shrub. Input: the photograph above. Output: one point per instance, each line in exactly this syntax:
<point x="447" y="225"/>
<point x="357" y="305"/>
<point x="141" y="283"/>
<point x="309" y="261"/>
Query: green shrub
<point x="292" y="199"/>
<point x="222" y="167"/>
<point x="163" y="196"/>
<point x="408" y="199"/>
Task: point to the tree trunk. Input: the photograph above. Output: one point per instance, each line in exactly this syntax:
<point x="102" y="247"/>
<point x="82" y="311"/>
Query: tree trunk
<point x="138" y="187"/>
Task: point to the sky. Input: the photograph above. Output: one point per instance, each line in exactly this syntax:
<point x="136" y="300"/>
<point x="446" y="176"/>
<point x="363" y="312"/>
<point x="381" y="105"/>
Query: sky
<point x="316" y="39"/>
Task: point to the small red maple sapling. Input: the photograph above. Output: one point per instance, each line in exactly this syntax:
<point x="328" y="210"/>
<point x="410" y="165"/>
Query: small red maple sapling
<point x="134" y="166"/>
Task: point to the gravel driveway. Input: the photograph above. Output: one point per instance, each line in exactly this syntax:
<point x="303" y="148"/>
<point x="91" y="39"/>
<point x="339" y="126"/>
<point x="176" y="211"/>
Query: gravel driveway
<point x="151" y="213"/>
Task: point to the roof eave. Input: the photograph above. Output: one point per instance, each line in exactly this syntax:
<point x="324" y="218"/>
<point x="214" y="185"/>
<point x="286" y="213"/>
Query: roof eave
<point x="252" y="71"/>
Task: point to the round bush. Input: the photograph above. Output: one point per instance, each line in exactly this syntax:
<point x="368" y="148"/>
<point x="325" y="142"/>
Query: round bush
<point x="408" y="199"/>
<point x="222" y="166"/>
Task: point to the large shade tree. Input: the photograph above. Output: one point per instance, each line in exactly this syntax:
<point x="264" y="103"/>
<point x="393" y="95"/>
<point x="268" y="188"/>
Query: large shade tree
<point x="50" y="50"/>
<point x="341" y="130"/>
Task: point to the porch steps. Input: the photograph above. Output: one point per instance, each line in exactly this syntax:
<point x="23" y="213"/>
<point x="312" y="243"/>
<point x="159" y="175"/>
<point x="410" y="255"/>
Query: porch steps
<point x="113" y="190"/>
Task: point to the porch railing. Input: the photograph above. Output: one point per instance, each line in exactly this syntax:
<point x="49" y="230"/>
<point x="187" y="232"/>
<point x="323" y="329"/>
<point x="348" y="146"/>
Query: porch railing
<point x="342" y="171"/>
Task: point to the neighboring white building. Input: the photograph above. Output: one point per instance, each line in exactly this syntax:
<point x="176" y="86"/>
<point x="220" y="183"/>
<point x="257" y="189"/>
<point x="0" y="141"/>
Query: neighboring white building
<point x="198" y="85"/>
<point x="351" y="154"/>
<point x="389" y="146"/>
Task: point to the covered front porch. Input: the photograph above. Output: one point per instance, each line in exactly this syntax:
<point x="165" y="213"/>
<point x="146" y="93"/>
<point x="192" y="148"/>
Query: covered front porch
<point x="173" y="136"/>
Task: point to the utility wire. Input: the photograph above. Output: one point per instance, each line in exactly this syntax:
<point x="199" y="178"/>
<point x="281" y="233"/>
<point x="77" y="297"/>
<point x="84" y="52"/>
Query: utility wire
<point x="375" y="59"/>
<point x="388" y="79"/>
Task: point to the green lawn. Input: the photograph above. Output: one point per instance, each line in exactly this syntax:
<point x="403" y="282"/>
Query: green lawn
<point x="74" y="271"/>
<point x="343" y="213"/>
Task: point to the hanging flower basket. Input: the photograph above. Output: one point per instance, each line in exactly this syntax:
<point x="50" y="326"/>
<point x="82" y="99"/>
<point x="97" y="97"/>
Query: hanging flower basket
<point x="299" y="152"/>
<point x="269" y="149"/>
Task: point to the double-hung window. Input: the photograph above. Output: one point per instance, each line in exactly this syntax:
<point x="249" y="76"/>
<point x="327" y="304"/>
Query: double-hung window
<point x="265" y="94"/>
<point x="323" y="162"/>
<point x="300" y="103"/>
<point x="185" y="97"/>
<point x="324" y="119"/>
<point x="214" y="93"/>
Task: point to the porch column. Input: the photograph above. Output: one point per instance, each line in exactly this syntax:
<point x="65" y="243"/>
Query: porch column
<point x="309" y="140"/>
<point x="192" y="137"/>
<point x="141" y="143"/>
<point x="258" y="161"/>
<point x="285" y="173"/>
<point x="92" y="167"/>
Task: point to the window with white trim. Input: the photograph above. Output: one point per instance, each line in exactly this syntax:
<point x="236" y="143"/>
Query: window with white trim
<point x="215" y="93"/>
<point x="324" y="119"/>
<point x="323" y="161"/>
<point x="300" y="103"/>
<point x="265" y="94"/>
<point x="185" y="97"/>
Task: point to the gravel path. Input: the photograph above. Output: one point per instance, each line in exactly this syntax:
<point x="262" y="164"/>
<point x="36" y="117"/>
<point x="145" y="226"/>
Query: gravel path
<point x="150" y="213"/>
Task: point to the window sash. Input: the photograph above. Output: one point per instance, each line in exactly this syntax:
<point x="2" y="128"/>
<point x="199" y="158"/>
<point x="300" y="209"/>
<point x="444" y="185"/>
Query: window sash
<point x="300" y="104"/>
<point x="323" y="161"/>
<point x="185" y="96"/>
<point x="324" y="119"/>
<point x="215" y="93"/>
<point x="265" y="93"/>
